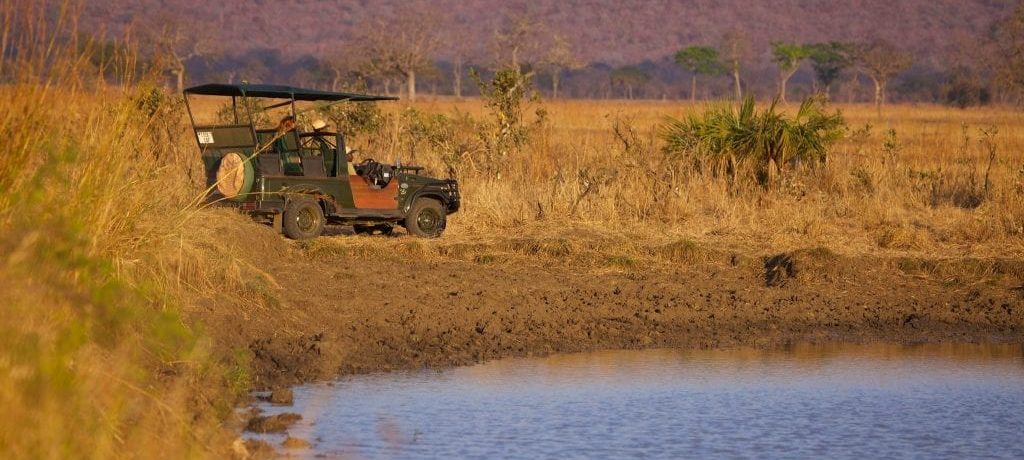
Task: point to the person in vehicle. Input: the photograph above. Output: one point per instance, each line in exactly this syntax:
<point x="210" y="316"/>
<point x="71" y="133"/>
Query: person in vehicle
<point x="349" y="156"/>
<point x="315" y="142"/>
<point x="292" y="162"/>
<point x="286" y="124"/>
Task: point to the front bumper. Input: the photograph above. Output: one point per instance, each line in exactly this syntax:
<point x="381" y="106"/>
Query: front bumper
<point x="453" y="199"/>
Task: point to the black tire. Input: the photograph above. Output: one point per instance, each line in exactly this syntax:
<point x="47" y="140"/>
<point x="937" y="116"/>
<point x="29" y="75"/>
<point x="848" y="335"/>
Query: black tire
<point x="303" y="219"/>
<point x="426" y="218"/>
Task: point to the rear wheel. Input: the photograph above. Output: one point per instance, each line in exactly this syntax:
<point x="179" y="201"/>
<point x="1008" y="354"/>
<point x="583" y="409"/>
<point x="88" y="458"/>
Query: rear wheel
<point x="426" y="218"/>
<point x="303" y="219"/>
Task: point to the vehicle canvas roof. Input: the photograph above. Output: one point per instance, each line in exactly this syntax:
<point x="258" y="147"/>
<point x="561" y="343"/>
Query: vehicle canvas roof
<point x="281" y="92"/>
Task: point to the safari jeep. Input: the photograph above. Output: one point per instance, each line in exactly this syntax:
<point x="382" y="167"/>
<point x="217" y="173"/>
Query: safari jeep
<point x="300" y="180"/>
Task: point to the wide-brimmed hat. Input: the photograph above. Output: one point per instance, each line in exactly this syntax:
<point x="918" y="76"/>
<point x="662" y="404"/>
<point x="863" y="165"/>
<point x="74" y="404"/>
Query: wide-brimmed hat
<point x="319" y="124"/>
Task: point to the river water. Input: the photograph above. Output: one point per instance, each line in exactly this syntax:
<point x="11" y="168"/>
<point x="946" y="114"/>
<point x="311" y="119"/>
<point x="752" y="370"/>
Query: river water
<point x="821" y="401"/>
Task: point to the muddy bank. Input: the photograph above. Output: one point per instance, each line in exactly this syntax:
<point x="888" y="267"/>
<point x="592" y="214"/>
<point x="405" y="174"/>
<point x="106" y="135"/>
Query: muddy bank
<point x="334" y="312"/>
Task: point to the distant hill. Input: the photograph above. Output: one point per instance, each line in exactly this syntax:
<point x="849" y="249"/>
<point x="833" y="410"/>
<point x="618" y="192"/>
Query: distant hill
<point x="614" y="32"/>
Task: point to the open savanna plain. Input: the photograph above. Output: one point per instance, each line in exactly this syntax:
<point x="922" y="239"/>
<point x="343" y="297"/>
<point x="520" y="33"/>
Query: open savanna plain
<point x="138" y="316"/>
<point x="590" y="237"/>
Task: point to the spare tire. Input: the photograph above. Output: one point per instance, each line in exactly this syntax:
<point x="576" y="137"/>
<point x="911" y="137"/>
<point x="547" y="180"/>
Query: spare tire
<point x="234" y="176"/>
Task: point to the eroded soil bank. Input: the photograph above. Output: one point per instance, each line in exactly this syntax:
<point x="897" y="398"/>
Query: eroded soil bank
<point x="334" y="312"/>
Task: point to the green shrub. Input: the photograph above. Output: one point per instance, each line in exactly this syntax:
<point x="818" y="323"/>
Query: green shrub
<point x="729" y="138"/>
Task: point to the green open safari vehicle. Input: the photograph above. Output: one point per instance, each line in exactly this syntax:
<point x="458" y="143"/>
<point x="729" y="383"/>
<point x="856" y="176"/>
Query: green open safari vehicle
<point x="301" y="180"/>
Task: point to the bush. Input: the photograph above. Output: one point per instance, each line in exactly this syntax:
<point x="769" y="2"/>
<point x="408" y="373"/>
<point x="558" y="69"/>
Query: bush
<point x="509" y="131"/>
<point x="965" y="89"/>
<point x="731" y="138"/>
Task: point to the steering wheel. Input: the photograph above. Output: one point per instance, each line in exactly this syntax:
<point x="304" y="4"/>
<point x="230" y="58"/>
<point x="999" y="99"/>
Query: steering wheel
<point x="377" y="174"/>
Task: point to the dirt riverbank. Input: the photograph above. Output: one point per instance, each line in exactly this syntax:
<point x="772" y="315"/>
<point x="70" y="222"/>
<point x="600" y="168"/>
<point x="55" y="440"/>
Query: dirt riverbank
<point x="334" y="310"/>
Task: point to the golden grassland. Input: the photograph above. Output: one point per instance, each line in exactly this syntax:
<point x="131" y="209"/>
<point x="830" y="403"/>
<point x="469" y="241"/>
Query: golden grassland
<point x="104" y="247"/>
<point x="95" y="359"/>
<point x="909" y="182"/>
<point x="103" y="244"/>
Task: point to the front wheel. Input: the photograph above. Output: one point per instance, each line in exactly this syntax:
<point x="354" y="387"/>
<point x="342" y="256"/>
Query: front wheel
<point x="303" y="219"/>
<point x="426" y="218"/>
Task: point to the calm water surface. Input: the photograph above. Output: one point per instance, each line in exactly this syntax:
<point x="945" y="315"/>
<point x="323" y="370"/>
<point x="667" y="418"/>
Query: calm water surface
<point x="846" y="401"/>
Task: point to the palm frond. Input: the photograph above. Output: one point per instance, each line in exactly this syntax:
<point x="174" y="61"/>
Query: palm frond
<point x="751" y="136"/>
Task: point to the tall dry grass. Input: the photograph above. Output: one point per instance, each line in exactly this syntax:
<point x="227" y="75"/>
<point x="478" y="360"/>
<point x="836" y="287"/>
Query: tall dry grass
<point x="95" y="357"/>
<point x="924" y="180"/>
<point x="100" y="250"/>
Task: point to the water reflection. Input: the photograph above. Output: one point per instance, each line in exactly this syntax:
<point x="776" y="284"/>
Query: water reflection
<point x="807" y="400"/>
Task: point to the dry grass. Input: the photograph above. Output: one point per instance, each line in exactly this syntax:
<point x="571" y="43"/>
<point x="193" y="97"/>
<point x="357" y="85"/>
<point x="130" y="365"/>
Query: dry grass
<point x="101" y="247"/>
<point x="101" y="244"/>
<point x="95" y="359"/>
<point x="597" y="166"/>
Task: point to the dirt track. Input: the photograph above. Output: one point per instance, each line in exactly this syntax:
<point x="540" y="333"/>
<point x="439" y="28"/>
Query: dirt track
<point x="345" y="314"/>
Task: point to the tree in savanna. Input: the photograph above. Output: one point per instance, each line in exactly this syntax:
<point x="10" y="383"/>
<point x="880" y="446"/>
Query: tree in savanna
<point x="460" y="51"/>
<point x="456" y="49"/>
<point x="829" y="61"/>
<point x="965" y="88"/>
<point x="735" y="51"/>
<point x="629" y="77"/>
<point x="516" y="41"/>
<point x="403" y="44"/>
<point x="788" y="56"/>
<point x="699" y="60"/>
<point x="560" y="57"/>
<point x="1009" y="39"/>
<point x="881" y="61"/>
<point x="173" y="41"/>
<point x="110" y="59"/>
<point x="347" y="64"/>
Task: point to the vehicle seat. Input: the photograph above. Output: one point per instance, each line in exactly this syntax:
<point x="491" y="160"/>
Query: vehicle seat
<point x="313" y="166"/>
<point x="270" y="164"/>
<point x="291" y="163"/>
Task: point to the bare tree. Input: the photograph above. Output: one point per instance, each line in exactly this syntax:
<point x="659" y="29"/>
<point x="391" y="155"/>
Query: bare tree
<point x="459" y="54"/>
<point x="560" y="57"/>
<point x="457" y="49"/>
<point x="516" y="41"/>
<point x="402" y="45"/>
<point x="174" y="41"/>
<point x="881" y="61"/>
<point x="347" y="65"/>
<point x="735" y="51"/>
<point x="1009" y="54"/>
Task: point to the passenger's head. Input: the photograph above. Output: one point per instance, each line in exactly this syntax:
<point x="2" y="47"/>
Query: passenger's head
<point x="287" y="124"/>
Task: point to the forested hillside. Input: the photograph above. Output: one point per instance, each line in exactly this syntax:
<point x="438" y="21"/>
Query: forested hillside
<point x="270" y="40"/>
